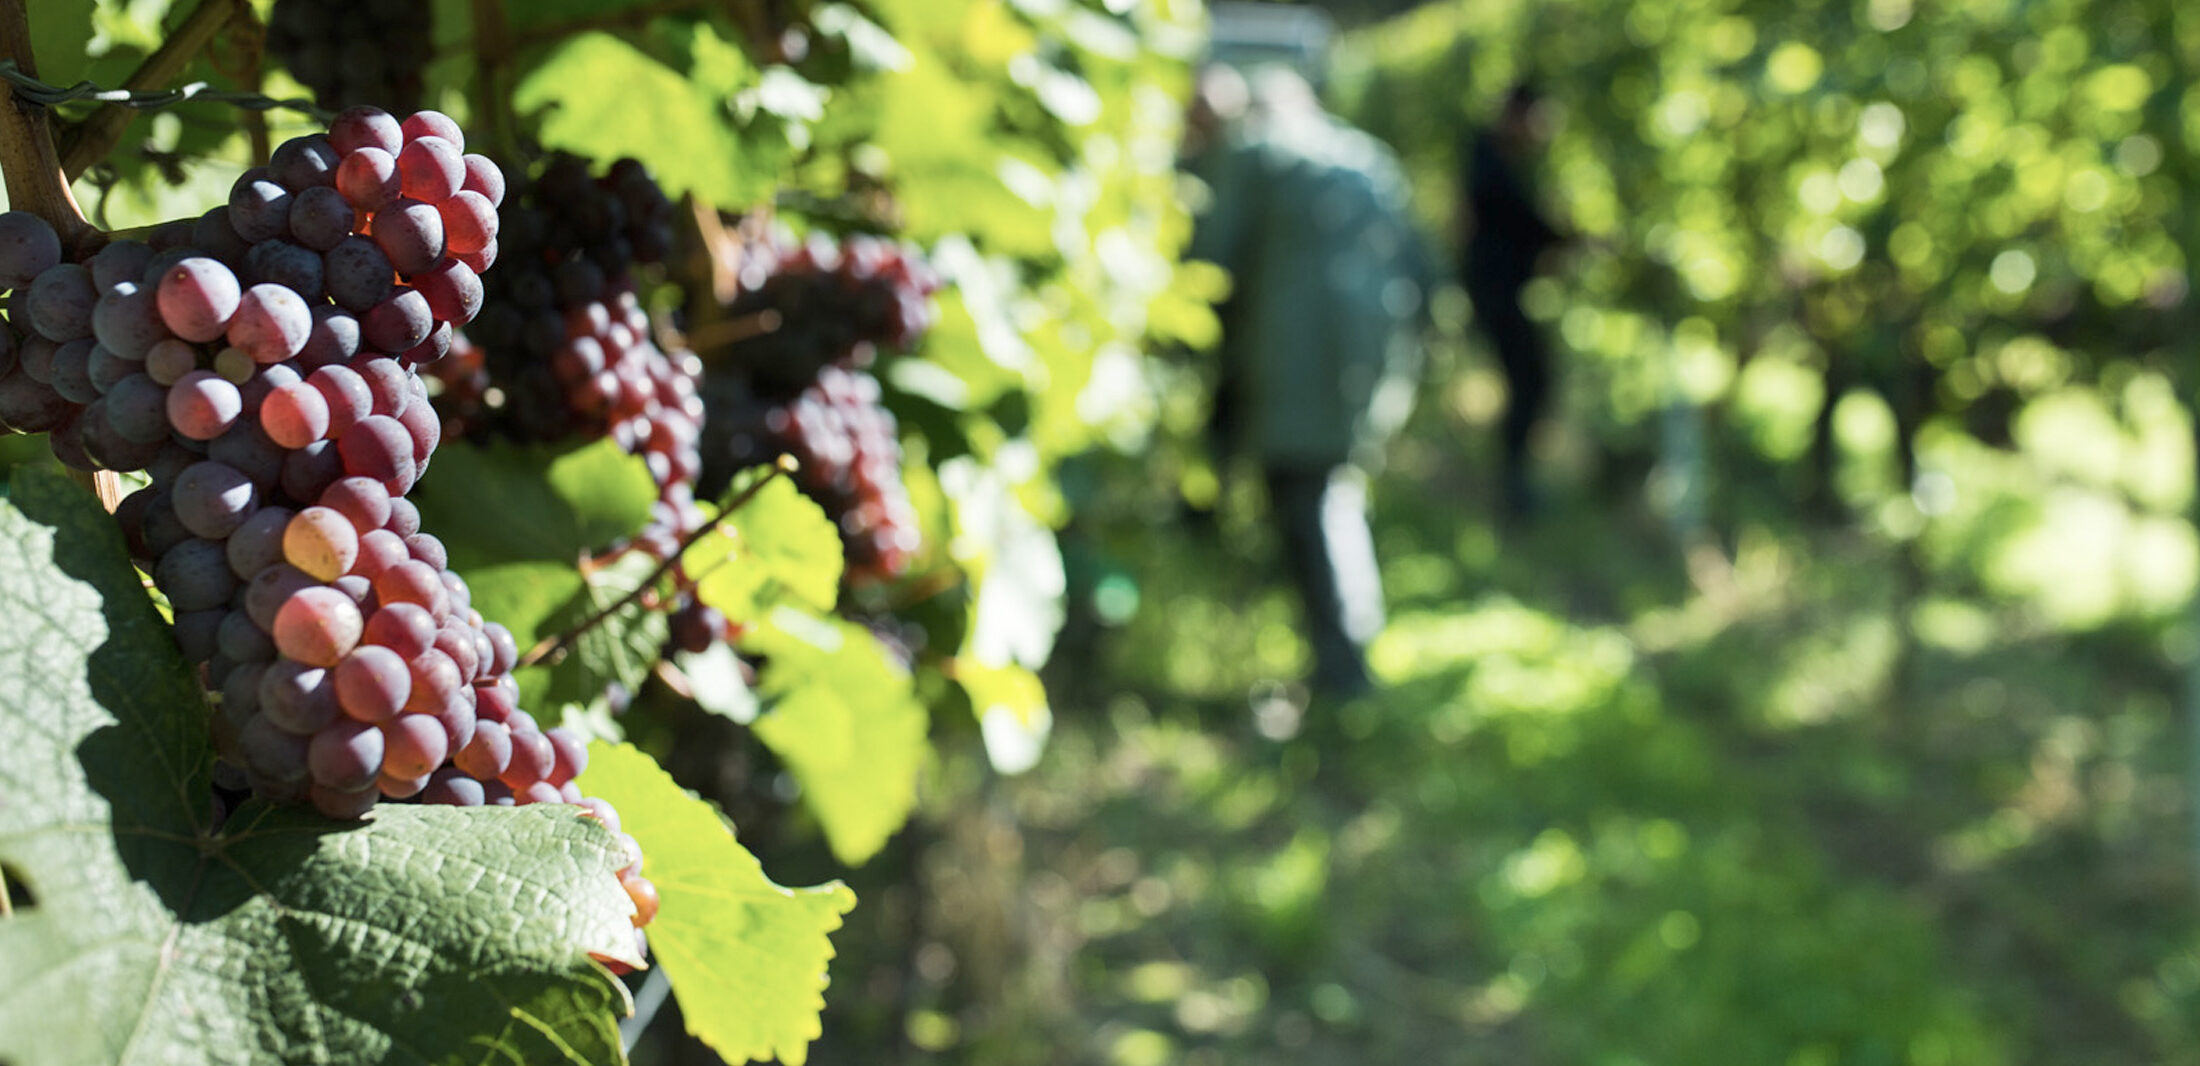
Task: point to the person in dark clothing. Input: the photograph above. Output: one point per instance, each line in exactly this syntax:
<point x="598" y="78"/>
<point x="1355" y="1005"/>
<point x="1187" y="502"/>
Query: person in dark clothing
<point x="1503" y="235"/>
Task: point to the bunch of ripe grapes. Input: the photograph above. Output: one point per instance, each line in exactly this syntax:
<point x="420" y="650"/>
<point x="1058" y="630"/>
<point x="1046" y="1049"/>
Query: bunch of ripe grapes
<point x="372" y="52"/>
<point x="565" y="349"/>
<point x="259" y="363"/>
<point x="795" y="384"/>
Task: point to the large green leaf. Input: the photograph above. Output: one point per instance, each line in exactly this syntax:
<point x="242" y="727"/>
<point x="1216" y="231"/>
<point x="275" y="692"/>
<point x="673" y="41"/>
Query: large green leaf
<point x="779" y="544"/>
<point x="600" y="96"/>
<point x="746" y="957"/>
<point x="503" y="503"/>
<point x="847" y="723"/>
<point x="140" y="929"/>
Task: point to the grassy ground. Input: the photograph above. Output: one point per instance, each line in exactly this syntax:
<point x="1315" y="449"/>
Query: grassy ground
<point x="1789" y="798"/>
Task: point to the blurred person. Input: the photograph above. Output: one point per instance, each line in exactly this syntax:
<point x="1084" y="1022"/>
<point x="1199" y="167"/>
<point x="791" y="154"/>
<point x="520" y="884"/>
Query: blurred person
<point x="1503" y="235"/>
<point x="1320" y="341"/>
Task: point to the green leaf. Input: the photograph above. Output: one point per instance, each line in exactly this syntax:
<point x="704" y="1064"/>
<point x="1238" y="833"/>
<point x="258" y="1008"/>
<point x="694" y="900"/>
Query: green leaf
<point x="718" y="684"/>
<point x="142" y="931"/>
<point x="846" y="721"/>
<point x="1013" y="561"/>
<point x="59" y="30"/>
<point x="524" y="597"/>
<point x="1013" y="716"/>
<point x="623" y="647"/>
<point x="745" y="957"/>
<point x="506" y="502"/>
<point x="657" y="114"/>
<point x="779" y="545"/>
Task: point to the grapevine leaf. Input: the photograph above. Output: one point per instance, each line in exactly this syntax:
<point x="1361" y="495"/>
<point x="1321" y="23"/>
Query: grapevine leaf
<point x="523" y="596"/>
<point x="720" y="688"/>
<point x="59" y="29"/>
<point x="780" y="544"/>
<point x="622" y="648"/>
<point x="746" y="957"/>
<point x="846" y="721"/>
<point x="659" y="115"/>
<point x="505" y="502"/>
<point x="1014" y="562"/>
<point x="1012" y="710"/>
<point x="138" y="930"/>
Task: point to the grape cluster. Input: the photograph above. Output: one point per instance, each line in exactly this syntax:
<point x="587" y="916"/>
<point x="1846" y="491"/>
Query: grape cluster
<point x="795" y="385"/>
<point x="818" y="303"/>
<point x="259" y="364"/>
<point x="565" y="349"/>
<point x="849" y="455"/>
<point x="372" y="52"/>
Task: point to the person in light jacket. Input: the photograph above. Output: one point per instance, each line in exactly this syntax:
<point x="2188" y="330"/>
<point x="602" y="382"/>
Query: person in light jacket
<point x="1320" y="345"/>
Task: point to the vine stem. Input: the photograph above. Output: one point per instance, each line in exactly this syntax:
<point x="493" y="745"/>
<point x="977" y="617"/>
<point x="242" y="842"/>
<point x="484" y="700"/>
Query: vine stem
<point x="31" y="166"/>
<point x="89" y="141"/>
<point x="28" y="159"/>
<point x="492" y="104"/>
<point x="553" y="644"/>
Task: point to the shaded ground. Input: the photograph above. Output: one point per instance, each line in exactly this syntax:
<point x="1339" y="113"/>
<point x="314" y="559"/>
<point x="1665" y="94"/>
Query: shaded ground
<point x="1796" y="804"/>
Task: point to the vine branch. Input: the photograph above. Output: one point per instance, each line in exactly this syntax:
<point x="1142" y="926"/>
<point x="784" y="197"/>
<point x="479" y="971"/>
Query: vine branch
<point x="553" y="644"/>
<point x="28" y="160"/>
<point x="493" y="48"/>
<point x="89" y="141"/>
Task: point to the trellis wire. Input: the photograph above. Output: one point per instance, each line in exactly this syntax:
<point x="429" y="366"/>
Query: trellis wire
<point x="36" y="91"/>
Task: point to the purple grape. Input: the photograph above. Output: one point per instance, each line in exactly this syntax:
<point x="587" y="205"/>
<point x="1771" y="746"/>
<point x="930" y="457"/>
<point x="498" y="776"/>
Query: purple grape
<point x="197" y="296"/>
<point x="270" y="589"/>
<point x="213" y="235"/>
<point x="127" y="320"/>
<point x="271" y="323"/>
<point x="248" y="448"/>
<point x="28" y="247"/>
<point x="372" y="683"/>
<point x="292" y="266"/>
<point x="72" y="371"/>
<point x="271" y="751"/>
<point x="120" y="262"/>
<point x="298" y="698"/>
<point x="258" y="543"/>
<point x="410" y="233"/>
<point x="242" y="641"/>
<point x="379" y="447"/>
<point x="202" y="406"/>
<point x="213" y="499"/>
<point x="386" y="384"/>
<point x="259" y="207"/>
<point x="195" y="575"/>
<point x="59" y="303"/>
<point x="317" y="625"/>
<point x="346" y="394"/>
<point x="346" y="755"/>
<point x="320" y="218"/>
<point x="365" y="127"/>
<point x="358" y="274"/>
<point x="398" y="323"/>
<point x="311" y="469"/>
<point x="137" y="407"/>
<point x="432" y="169"/>
<point x="305" y="163"/>
<point x="106" y="368"/>
<point x="335" y="338"/>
